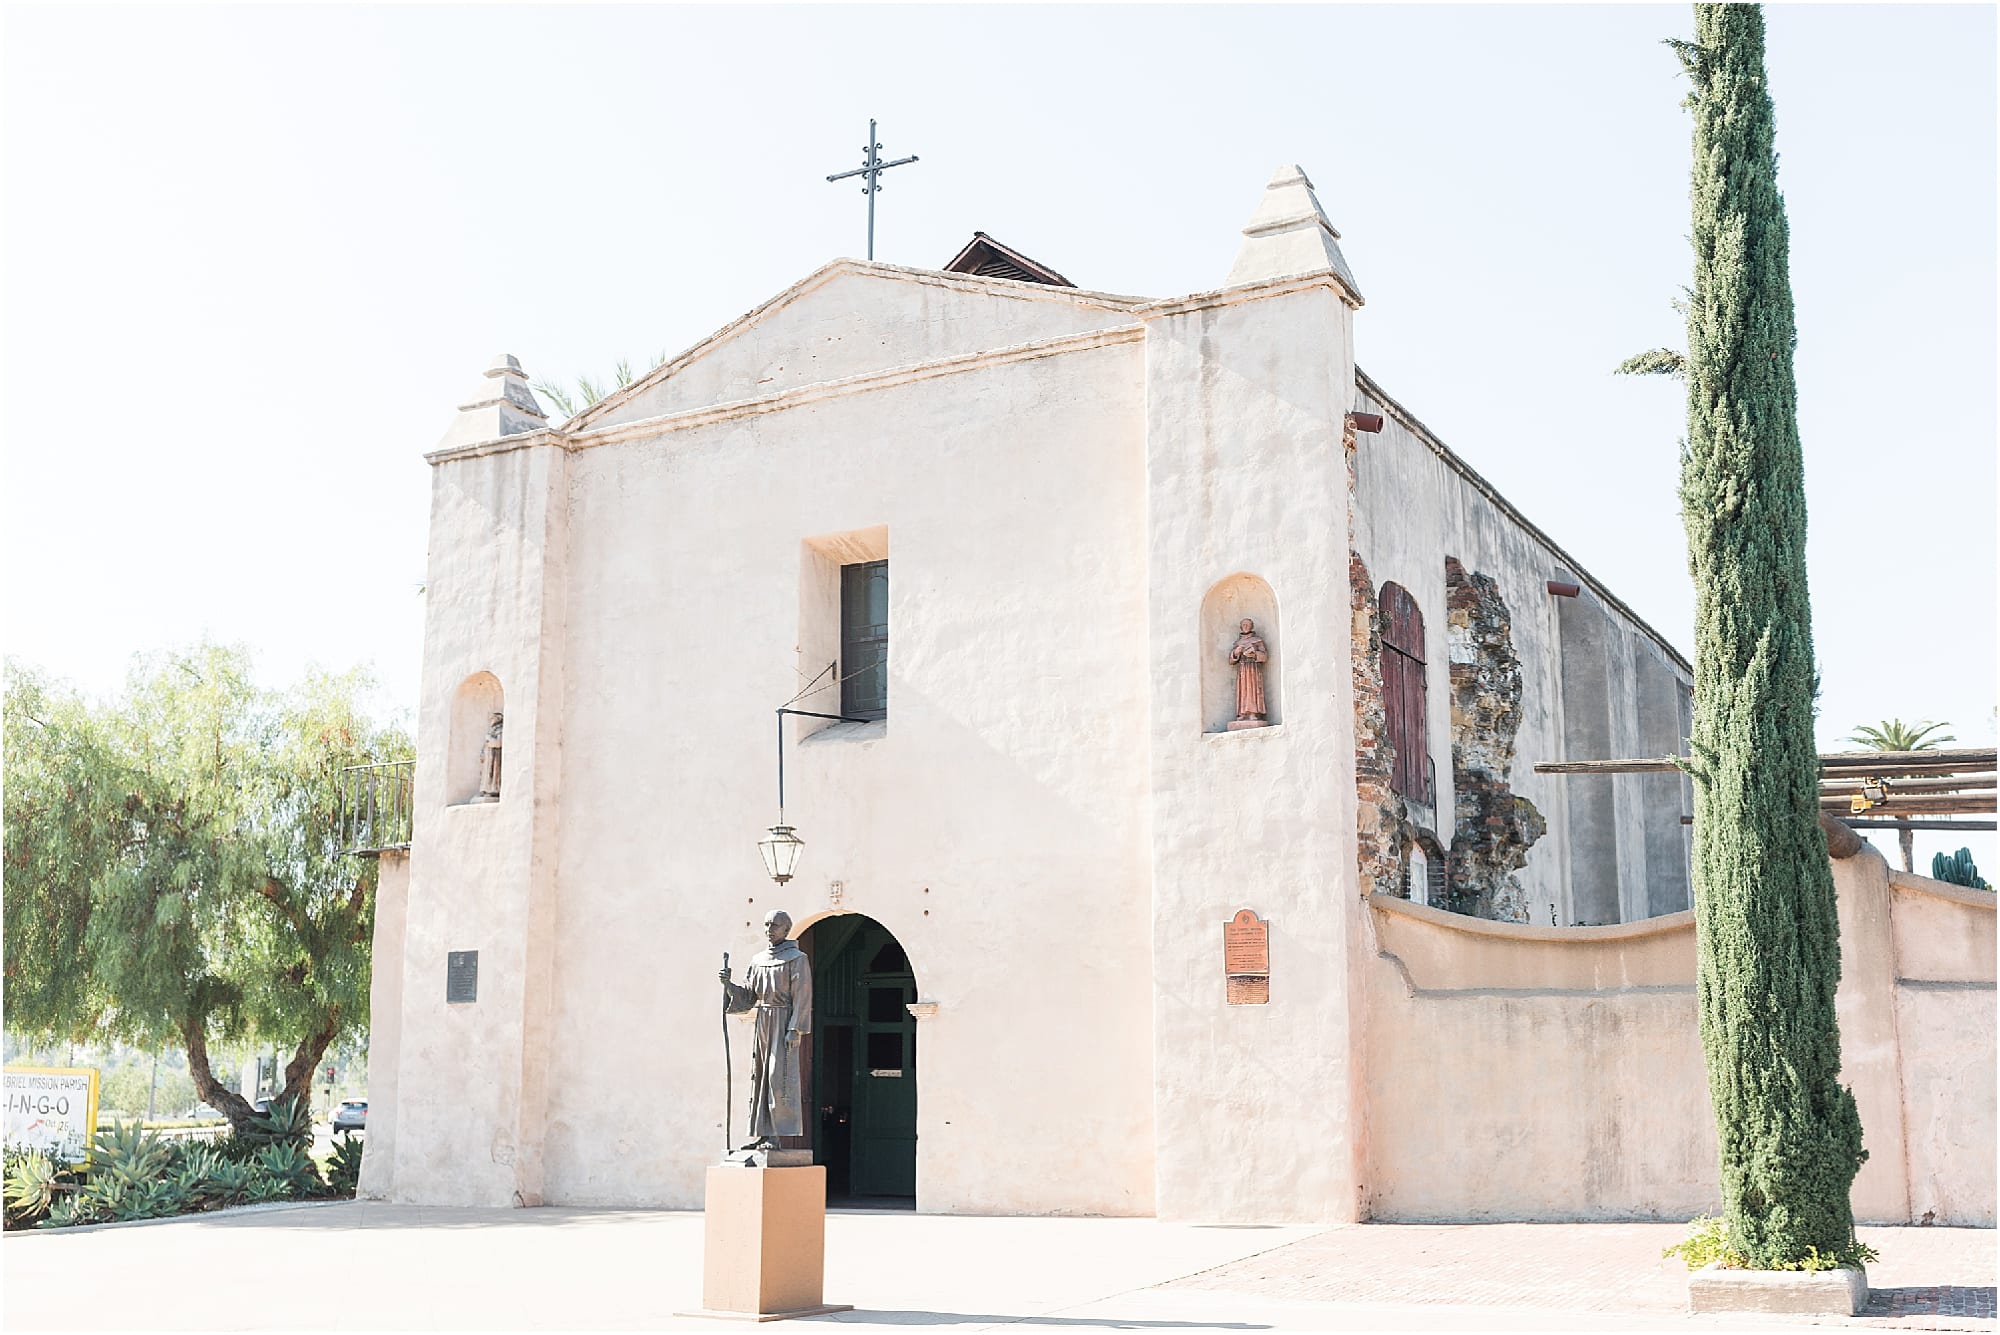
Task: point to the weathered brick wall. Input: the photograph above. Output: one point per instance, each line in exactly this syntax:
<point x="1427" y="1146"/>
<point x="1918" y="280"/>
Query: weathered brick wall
<point x="1382" y="824"/>
<point x="1493" y="827"/>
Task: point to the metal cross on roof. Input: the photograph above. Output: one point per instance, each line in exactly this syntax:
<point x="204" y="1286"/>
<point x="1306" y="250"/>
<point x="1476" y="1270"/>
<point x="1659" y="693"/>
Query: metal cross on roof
<point x="870" y="171"/>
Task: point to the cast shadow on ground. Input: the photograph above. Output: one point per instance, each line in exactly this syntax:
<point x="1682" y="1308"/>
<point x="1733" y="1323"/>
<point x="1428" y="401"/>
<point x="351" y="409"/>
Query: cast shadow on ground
<point x="882" y="1318"/>
<point x="1916" y="1302"/>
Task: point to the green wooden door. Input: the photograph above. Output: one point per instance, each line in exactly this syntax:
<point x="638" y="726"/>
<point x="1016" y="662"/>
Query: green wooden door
<point x="864" y="1075"/>
<point x="885" y="1088"/>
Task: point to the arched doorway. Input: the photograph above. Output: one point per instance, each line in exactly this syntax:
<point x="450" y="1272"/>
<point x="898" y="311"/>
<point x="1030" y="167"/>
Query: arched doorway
<point x="864" y="1060"/>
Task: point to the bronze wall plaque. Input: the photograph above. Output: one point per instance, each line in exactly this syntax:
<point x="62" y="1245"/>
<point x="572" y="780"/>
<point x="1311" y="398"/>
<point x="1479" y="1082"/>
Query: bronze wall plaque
<point x="1246" y="944"/>
<point x="1246" y="959"/>
<point x="461" y="976"/>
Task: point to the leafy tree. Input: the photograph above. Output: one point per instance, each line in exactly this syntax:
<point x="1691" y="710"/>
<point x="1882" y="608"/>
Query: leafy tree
<point x="171" y="870"/>
<point x="1895" y="735"/>
<point x="131" y="1087"/>
<point x="1769" y="946"/>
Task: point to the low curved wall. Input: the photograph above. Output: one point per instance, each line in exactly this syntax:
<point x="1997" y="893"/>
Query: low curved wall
<point x="1538" y="1073"/>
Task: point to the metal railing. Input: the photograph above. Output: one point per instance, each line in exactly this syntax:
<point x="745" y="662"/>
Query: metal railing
<point x="375" y="807"/>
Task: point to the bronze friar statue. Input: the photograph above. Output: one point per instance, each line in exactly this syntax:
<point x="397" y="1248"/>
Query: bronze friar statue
<point x="778" y="987"/>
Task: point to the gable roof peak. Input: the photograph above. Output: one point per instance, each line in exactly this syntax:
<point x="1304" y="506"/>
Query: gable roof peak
<point x="984" y="257"/>
<point x="1290" y="234"/>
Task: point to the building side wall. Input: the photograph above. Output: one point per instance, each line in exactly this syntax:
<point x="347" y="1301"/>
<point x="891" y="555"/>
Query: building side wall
<point x="1534" y="1073"/>
<point x="1944" y="950"/>
<point x="995" y="822"/>
<point x="1245" y="475"/>
<point x="466" y="1130"/>
<point x="385" y="1025"/>
<point x="1595" y="685"/>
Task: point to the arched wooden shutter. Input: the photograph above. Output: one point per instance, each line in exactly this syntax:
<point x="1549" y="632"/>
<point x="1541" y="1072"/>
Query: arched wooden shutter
<point x="1403" y="690"/>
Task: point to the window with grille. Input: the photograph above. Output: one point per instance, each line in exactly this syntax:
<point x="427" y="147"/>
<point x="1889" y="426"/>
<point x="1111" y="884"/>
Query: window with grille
<point x="1403" y="692"/>
<point x="864" y="640"/>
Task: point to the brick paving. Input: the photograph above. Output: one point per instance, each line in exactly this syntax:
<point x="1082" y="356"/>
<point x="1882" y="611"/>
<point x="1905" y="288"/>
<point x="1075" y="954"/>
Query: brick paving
<point x="1596" y="1268"/>
<point x="1937" y="1300"/>
<point x="1469" y="1265"/>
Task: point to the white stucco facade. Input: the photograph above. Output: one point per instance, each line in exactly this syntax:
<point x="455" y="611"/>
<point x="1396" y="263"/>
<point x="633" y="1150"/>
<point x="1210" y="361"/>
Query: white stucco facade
<point x="1077" y="493"/>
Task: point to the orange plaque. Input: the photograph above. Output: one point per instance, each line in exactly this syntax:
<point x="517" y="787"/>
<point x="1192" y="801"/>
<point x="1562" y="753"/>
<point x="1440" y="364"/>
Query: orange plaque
<point x="1246" y="959"/>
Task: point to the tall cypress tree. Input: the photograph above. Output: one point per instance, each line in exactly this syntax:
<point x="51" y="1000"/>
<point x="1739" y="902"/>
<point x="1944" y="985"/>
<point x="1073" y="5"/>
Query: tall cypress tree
<point x="1768" y="936"/>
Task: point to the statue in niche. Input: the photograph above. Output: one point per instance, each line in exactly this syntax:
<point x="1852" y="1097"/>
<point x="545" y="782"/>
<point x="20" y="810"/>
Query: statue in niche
<point x="489" y="763"/>
<point x="1248" y="656"/>
<point x="778" y="987"/>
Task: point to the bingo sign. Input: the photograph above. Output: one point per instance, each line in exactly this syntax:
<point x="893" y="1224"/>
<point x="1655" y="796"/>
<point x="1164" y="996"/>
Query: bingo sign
<point x="51" y="1109"/>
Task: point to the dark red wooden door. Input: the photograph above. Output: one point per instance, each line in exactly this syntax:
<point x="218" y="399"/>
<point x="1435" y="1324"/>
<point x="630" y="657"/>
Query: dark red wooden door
<point x="1403" y="690"/>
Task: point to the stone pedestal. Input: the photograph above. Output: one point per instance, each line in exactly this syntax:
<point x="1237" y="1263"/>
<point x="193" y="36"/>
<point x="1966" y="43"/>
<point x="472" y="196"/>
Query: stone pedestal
<point x="764" y="1243"/>
<point x="1841" y="1292"/>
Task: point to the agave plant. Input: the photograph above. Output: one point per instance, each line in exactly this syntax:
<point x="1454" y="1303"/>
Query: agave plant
<point x="291" y="1168"/>
<point x="31" y="1187"/>
<point x="130" y="1156"/>
<point x="343" y="1170"/>
<point x="289" y="1122"/>
<point x="228" y="1183"/>
<point x="67" y="1212"/>
<point x="107" y="1196"/>
<point x="264" y="1188"/>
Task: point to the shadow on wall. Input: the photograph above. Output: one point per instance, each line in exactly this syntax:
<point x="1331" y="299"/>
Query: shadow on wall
<point x="474" y="707"/>
<point x="1223" y="609"/>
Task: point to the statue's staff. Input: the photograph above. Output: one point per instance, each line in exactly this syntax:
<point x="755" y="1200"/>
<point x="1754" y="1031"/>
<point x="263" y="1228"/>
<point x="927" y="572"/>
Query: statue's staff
<point x="728" y="1066"/>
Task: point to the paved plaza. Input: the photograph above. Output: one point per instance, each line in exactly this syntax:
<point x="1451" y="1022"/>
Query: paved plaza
<point x="365" y="1266"/>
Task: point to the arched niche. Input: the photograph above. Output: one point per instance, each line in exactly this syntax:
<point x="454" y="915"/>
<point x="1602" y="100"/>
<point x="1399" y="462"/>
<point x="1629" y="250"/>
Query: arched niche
<point x="473" y="705"/>
<point x="1223" y="609"/>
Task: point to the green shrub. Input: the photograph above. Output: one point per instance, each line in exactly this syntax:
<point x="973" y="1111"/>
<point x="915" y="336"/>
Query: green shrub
<point x="343" y="1167"/>
<point x="1707" y="1241"/>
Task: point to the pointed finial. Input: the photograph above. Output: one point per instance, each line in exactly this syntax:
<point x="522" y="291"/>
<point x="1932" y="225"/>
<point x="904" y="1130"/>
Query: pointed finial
<point x="501" y="405"/>
<point x="1290" y="234"/>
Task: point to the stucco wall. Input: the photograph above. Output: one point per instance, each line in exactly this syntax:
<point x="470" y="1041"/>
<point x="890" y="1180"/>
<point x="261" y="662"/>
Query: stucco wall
<point x="1613" y="847"/>
<point x="996" y="821"/>
<point x="845" y="320"/>
<point x="467" y="1119"/>
<point x="385" y="1026"/>
<point x="1944" y="994"/>
<point x="1244" y="405"/>
<point x="1519" y="1072"/>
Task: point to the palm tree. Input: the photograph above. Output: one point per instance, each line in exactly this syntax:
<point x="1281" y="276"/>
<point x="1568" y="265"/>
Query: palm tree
<point x="1892" y="734"/>
<point x="588" y="392"/>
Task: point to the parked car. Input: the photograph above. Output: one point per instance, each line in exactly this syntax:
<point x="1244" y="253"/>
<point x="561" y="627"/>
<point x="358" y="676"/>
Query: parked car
<point x="351" y="1115"/>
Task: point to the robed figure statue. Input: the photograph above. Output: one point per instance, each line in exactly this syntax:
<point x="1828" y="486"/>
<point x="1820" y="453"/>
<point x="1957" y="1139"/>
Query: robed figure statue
<point x="778" y="987"/>
<point x="1248" y="656"/>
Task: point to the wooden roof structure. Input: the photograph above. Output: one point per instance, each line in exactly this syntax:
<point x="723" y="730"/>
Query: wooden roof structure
<point x="987" y="258"/>
<point x="1870" y="790"/>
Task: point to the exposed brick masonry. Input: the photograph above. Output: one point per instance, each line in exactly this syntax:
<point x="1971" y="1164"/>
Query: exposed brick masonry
<point x="1493" y="826"/>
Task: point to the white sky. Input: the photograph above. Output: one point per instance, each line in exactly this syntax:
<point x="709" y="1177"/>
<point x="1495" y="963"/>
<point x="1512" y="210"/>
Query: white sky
<point x="251" y="258"/>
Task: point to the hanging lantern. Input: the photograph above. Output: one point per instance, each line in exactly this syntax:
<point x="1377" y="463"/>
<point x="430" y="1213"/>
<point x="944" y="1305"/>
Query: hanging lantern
<point x="780" y="849"/>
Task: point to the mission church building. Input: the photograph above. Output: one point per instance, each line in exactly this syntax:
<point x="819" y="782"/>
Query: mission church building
<point x="1078" y="944"/>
